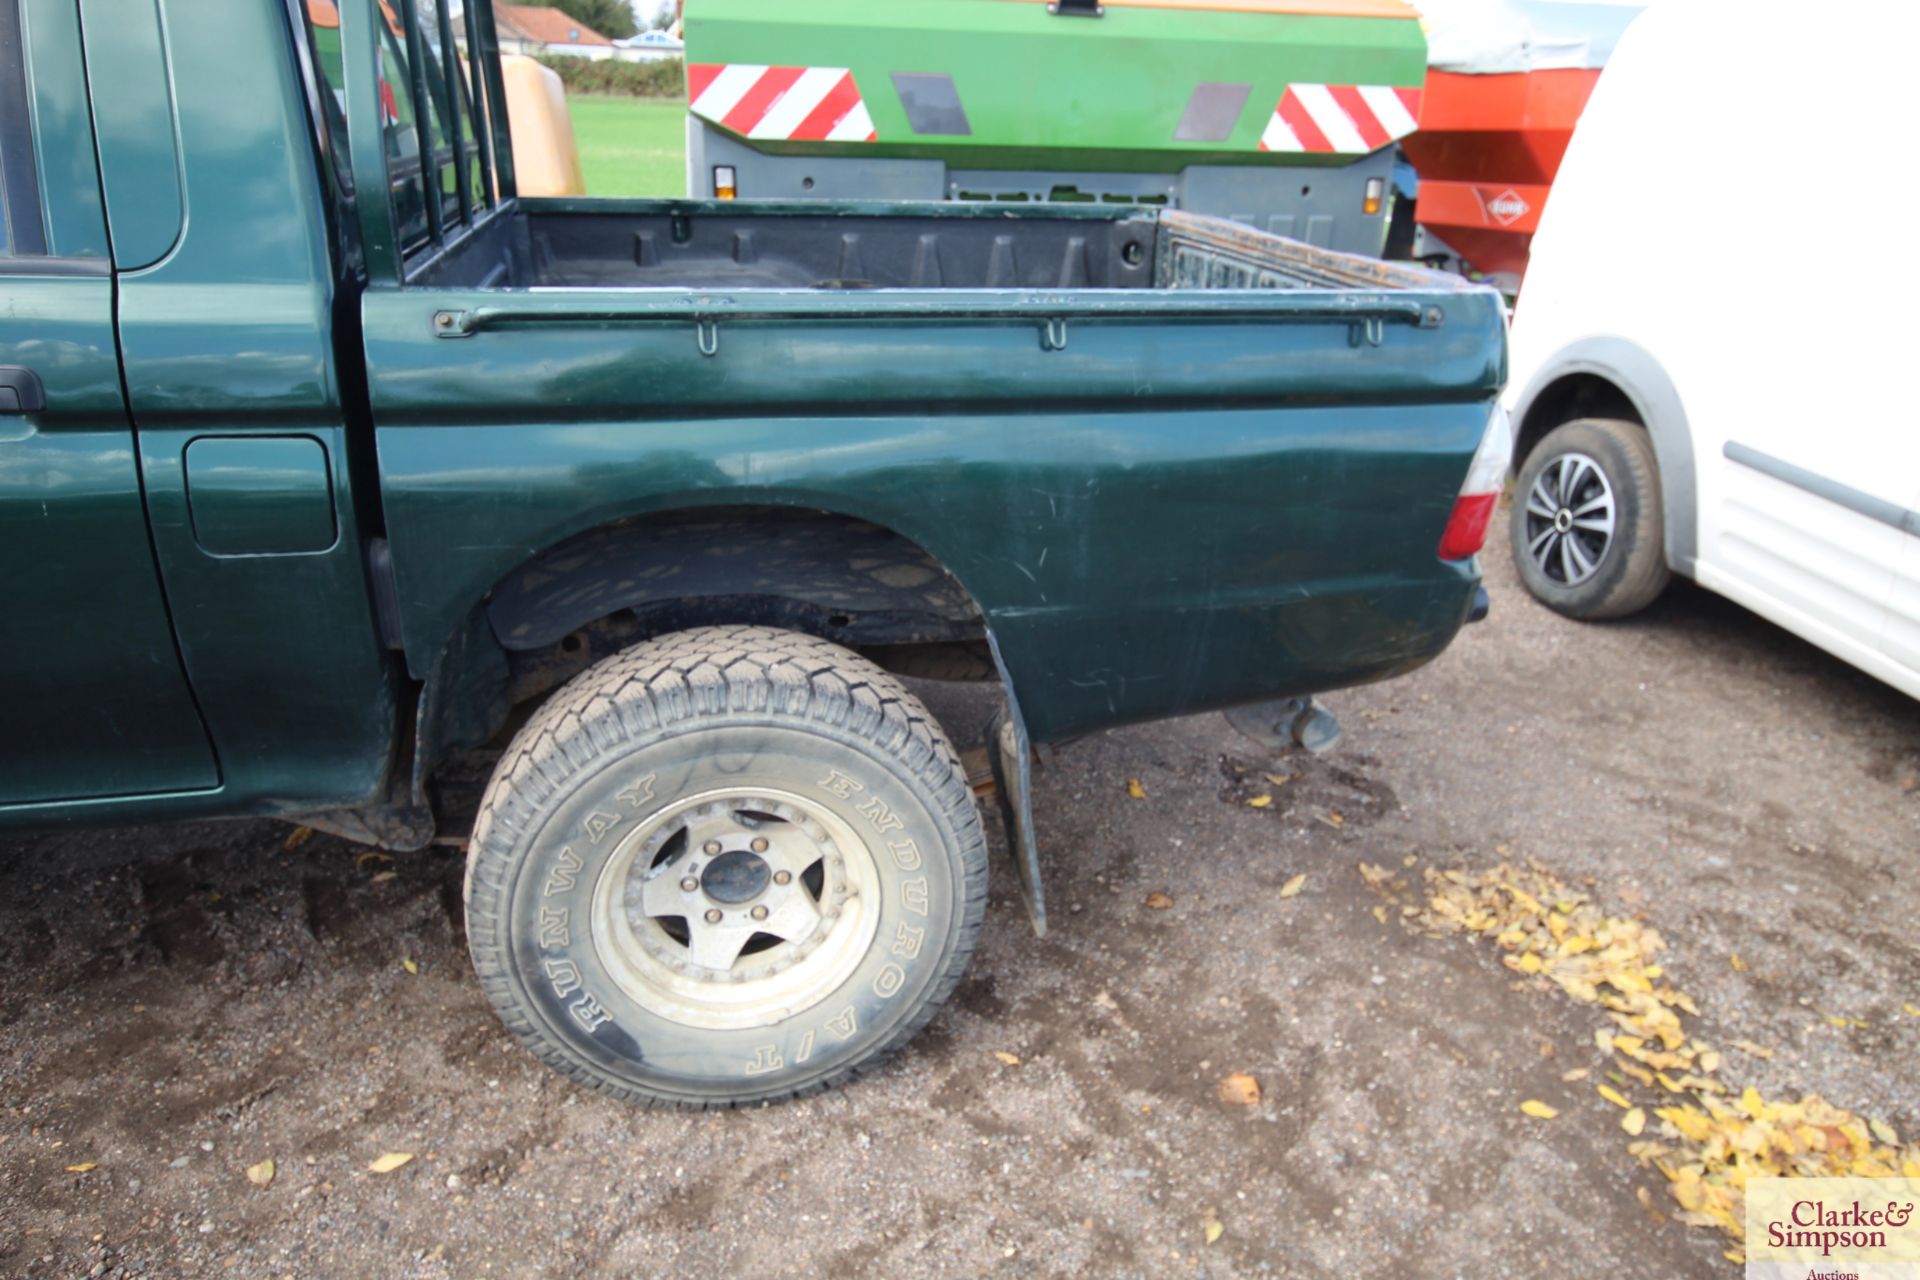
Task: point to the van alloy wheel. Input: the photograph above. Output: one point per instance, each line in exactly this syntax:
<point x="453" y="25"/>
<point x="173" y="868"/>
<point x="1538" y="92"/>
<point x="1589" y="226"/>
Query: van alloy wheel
<point x="1586" y="527"/>
<point x="1570" y="514"/>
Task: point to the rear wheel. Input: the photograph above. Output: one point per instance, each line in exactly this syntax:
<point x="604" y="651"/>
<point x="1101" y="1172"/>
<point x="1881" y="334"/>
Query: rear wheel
<point x="730" y="865"/>
<point x="1586" y="525"/>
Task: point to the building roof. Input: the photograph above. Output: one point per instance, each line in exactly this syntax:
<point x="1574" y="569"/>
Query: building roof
<point x="543" y="24"/>
<point x="651" y="40"/>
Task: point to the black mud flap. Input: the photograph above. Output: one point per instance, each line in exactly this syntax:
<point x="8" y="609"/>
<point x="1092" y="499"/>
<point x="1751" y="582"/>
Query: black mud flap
<point x="1011" y="755"/>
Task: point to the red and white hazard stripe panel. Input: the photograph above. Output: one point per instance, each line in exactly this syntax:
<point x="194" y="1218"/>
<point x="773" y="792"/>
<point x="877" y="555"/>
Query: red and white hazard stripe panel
<point x="800" y="104"/>
<point x="1344" y="119"/>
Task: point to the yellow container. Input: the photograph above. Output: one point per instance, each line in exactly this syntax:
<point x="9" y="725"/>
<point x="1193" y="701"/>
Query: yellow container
<point x="546" y="160"/>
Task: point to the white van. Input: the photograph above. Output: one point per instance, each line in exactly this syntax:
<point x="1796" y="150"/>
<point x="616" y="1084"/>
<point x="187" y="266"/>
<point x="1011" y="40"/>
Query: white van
<point x="1712" y="353"/>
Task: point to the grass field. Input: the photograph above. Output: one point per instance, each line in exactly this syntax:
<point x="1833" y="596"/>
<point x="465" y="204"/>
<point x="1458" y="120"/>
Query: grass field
<point x="631" y="146"/>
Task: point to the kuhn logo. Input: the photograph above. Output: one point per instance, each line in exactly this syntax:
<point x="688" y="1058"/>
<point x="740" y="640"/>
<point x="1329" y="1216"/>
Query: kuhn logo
<point x="1508" y="208"/>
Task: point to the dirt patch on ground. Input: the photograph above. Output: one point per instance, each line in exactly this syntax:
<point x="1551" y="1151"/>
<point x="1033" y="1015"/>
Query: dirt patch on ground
<point x="177" y="1004"/>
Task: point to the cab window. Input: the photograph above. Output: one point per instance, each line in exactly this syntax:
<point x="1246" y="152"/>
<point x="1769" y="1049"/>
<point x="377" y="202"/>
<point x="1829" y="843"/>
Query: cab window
<point x="22" y="229"/>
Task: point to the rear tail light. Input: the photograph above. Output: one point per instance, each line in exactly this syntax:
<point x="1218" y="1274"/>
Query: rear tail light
<point x="725" y="186"/>
<point x="1466" y="529"/>
<point x="1374" y="196"/>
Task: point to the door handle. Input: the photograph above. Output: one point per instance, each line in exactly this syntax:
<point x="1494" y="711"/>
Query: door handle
<point x="21" y="391"/>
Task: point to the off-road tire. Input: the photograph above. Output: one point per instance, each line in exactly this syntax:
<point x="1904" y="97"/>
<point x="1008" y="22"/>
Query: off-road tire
<point x="1632" y="571"/>
<point x="721" y="711"/>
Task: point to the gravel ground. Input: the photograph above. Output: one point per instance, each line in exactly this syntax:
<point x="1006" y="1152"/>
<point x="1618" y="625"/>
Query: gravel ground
<point x="179" y="1003"/>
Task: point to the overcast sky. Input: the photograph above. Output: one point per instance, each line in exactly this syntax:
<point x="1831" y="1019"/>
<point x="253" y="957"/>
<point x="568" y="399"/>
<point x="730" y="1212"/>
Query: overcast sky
<point x="647" y="13"/>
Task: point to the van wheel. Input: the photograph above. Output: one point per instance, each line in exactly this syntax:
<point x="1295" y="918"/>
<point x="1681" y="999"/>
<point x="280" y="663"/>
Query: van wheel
<point x="729" y="865"/>
<point x="1586" y="524"/>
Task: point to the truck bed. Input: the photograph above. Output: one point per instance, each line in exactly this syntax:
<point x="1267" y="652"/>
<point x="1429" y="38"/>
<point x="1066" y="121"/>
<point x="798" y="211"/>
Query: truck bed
<point x="1175" y="462"/>
<point x="724" y="245"/>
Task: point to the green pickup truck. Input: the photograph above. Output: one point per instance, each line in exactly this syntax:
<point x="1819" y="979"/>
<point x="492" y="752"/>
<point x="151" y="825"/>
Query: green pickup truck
<point x="323" y="456"/>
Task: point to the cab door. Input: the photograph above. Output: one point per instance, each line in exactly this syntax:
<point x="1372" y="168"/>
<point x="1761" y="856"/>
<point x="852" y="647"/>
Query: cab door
<point x="93" y="700"/>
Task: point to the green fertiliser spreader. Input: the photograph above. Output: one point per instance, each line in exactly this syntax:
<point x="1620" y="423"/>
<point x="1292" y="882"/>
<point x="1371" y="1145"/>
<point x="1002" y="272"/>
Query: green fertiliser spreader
<point x="1278" y="113"/>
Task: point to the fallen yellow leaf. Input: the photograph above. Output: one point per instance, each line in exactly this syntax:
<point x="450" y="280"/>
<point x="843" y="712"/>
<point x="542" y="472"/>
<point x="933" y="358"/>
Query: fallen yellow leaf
<point x="390" y="1161"/>
<point x="1634" y="1122"/>
<point x="88" y="1167"/>
<point x="372" y="856"/>
<point x="298" y="837"/>
<point x="1238" y="1090"/>
<point x="1613" y="1095"/>
<point x="1278" y="779"/>
<point x="1214" y="1228"/>
<point x="1752" y="1049"/>
<point x="1157" y="901"/>
<point x="1739" y="965"/>
<point x="1007" y="1059"/>
<point x="1913" y="1009"/>
<point x="383" y="876"/>
<point x="1293" y="886"/>
<point x="261" y="1174"/>
<point x="407" y="963"/>
<point x="1260" y="802"/>
<point x="1884" y="1131"/>
<point x="1539" y="1110"/>
<point x="1380" y="914"/>
<point x="1578" y="1073"/>
<point x="1135" y="790"/>
<point x="1336" y="817"/>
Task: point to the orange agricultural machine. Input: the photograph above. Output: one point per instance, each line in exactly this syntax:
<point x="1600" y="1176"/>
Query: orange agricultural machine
<point x="1506" y="82"/>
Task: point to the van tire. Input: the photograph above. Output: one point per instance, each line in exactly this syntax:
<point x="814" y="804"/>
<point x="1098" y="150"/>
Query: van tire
<point x="807" y="775"/>
<point x="1577" y="571"/>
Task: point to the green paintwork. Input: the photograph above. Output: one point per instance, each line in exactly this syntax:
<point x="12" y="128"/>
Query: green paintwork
<point x="92" y="697"/>
<point x="232" y="335"/>
<point x="133" y="119"/>
<point x="259" y="495"/>
<point x="1133" y="559"/>
<point x="94" y="702"/>
<point x="1116" y="85"/>
<point x="1206" y="497"/>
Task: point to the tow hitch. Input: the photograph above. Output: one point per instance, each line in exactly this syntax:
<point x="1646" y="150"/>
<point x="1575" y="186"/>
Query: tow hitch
<point x="1288" y="722"/>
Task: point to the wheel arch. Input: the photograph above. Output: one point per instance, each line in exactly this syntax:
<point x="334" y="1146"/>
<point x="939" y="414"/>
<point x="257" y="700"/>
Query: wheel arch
<point x="824" y="572"/>
<point x="1612" y="377"/>
<point x="830" y="573"/>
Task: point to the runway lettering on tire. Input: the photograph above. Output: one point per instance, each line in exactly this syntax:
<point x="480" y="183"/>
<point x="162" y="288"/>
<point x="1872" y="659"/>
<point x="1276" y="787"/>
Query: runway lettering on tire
<point x="839" y="784"/>
<point x="589" y="1014"/>
<point x="906" y="854"/>
<point x="564" y="975"/>
<point x="888" y="981"/>
<point x="566" y="865"/>
<point x="766" y="1058"/>
<point x="556" y="933"/>
<point x="806" y="1047"/>
<point x="906" y="941"/>
<point x="639" y="793"/>
<point x="598" y="824"/>
<point x="875" y="810"/>
<point x="913" y="895"/>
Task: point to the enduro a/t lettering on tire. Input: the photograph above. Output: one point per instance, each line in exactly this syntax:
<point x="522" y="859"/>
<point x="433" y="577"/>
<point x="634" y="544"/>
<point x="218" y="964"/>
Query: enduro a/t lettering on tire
<point x="729" y="865"/>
